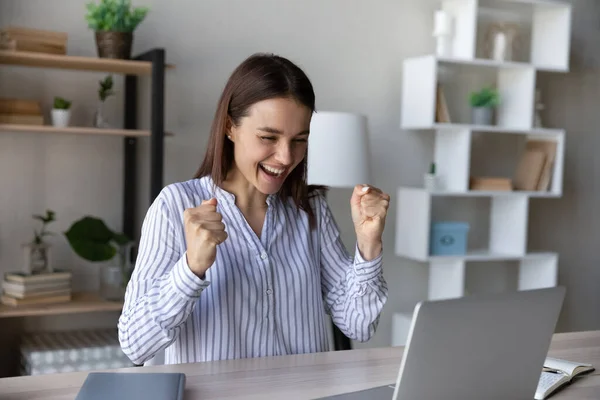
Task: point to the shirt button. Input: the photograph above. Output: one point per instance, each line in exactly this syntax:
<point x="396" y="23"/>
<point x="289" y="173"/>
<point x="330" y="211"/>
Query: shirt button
<point x="269" y="292"/>
<point x="263" y="256"/>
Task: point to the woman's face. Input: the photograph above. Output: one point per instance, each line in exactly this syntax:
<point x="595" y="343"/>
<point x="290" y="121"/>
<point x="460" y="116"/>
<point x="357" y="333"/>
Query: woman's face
<point x="270" y="142"/>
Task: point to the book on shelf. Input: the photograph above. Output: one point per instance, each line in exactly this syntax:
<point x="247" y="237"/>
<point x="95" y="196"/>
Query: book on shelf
<point x="490" y="183"/>
<point x="558" y="373"/>
<point x="22" y="289"/>
<point x="13" y="106"/>
<point x="57" y="275"/>
<point x="21" y="119"/>
<point x="534" y="169"/>
<point x="33" y="40"/>
<point x="12" y="301"/>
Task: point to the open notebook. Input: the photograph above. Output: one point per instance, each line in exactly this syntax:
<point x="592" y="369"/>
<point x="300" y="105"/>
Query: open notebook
<point x="557" y="373"/>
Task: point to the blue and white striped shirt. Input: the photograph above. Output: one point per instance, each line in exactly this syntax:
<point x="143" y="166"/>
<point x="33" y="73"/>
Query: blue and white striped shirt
<point x="262" y="296"/>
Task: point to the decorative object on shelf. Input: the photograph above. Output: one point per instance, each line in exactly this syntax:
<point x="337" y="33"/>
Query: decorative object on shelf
<point x="92" y="240"/>
<point x="502" y="42"/>
<point x="448" y="238"/>
<point x="442" y="115"/>
<point x="443" y="32"/>
<point x="487" y="183"/>
<point x="114" y="22"/>
<point x="37" y="252"/>
<point x="33" y="40"/>
<point x="430" y="179"/>
<point x="61" y="112"/>
<point x="20" y="111"/>
<point x="105" y="90"/>
<point x="483" y="104"/>
<point x="539" y="106"/>
<point x="534" y="170"/>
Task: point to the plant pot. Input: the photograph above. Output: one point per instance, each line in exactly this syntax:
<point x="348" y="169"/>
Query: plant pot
<point x="114" y="44"/>
<point x="61" y="118"/>
<point x="482" y="116"/>
<point x="430" y="182"/>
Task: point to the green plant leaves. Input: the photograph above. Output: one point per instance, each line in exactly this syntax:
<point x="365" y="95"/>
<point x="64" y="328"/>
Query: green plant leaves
<point x="105" y="89"/>
<point x="92" y="240"/>
<point x="486" y="97"/>
<point x="114" y="15"/>
<point x="61" y="104"/>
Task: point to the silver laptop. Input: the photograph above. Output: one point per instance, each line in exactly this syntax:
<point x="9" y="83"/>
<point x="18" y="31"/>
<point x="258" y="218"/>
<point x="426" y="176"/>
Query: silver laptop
<point x="477" y="347"/>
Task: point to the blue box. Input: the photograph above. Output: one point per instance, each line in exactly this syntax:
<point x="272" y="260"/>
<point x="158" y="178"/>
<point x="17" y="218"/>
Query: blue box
<point x="448" y="238"/>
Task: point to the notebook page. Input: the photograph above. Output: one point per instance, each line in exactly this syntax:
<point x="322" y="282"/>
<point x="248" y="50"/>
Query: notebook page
<point x="547" y="380"/>
<point x="563" y="365"/>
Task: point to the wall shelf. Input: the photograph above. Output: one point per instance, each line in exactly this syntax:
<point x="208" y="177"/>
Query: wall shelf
<point x="82" y="302"/>
<point x="449" y="127"/>
<point x="498" y="220"/>
<point x="31" y="59"/>
<point x="48" y="129"/>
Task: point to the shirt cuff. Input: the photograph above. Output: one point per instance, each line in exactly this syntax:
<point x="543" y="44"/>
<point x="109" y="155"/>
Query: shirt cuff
<point x="185" y="282"/>
<point x="367" y="270"/>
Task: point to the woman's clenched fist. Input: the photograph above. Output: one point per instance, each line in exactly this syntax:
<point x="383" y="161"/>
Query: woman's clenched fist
<point x="204" y="231"/>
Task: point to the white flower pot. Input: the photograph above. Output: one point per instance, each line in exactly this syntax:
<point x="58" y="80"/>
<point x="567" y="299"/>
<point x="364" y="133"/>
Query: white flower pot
<point x="60" y="118"/>
<point x="430" y="182"/>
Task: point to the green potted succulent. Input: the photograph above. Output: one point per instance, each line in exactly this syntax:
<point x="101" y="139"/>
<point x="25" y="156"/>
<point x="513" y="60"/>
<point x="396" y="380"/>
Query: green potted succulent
<point x="114" y="22"/>
<point x="483" y="105"/>
<point x="93" y="241"/>
<point x="61" y="112"/>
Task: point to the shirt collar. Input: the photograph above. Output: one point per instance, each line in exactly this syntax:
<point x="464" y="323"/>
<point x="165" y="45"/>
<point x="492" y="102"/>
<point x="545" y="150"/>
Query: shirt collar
<point x="223" y="195"/>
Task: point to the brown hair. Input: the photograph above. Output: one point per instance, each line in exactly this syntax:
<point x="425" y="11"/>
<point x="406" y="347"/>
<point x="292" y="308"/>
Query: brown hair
<point x="259" y="77"/>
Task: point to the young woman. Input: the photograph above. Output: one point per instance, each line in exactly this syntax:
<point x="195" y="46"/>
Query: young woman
<point x="245" y="259"/>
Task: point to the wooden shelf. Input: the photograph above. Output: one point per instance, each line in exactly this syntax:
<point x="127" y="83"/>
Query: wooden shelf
<point x="73" y="130"/>
<point x="83" y="302"/>
<point x="31" y="59"/>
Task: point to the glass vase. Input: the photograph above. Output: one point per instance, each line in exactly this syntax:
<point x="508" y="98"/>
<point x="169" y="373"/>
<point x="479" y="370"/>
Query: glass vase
<point x="114" y="276"/>
<point x="100" y="120"/>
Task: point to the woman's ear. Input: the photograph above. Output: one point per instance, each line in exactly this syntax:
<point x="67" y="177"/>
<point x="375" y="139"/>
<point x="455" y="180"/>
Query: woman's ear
<point x="229" y="129"/>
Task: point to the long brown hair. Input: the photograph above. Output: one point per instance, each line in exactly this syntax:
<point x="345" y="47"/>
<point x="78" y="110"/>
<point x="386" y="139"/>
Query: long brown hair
<point x="260" y="77"/>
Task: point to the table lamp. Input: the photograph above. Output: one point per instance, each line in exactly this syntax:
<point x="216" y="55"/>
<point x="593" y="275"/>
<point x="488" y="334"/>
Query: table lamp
<point x="338" y="150"/>
<point x="338" y="157"/>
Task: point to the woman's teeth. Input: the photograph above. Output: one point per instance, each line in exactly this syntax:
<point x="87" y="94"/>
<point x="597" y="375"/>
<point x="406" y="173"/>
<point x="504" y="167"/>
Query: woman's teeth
<point x="272" y="171"/>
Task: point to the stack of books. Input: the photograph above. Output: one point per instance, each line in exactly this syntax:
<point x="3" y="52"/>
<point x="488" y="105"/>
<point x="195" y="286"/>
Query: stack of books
<point x="47" y="288"/>
<point x="33" y="40"/>
<point x="21" y="111"/>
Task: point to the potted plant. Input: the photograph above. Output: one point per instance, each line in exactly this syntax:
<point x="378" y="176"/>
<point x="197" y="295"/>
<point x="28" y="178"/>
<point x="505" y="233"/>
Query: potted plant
<point x="37" y="252"/>
<point x="430" y="178"/>
<point x="483" y="104"/>
<point x="92" y="240"/>
<point x="114" y="22"/>
<point x="61" y="112"/>
<point x="105" y="90"/>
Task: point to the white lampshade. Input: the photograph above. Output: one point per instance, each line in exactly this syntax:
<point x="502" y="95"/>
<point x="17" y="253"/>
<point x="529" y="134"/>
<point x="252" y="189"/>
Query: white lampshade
<point x="338" y="150"/>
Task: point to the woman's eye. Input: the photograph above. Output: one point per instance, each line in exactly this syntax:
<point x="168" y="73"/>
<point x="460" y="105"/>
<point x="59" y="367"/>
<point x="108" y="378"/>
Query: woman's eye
<point x="301" y="140"/>
<point x="269" y="138"/>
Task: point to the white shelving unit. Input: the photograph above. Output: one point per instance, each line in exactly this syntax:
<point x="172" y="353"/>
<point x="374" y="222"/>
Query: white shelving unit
<point x="545" y="26"/>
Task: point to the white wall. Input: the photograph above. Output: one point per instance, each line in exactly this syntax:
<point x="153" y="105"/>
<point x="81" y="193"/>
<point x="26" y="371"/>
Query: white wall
<point x="352" y="50"/>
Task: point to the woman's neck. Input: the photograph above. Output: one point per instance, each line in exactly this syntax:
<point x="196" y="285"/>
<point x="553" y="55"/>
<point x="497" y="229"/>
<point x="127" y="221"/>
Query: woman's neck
<point x="247" y="197"/>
